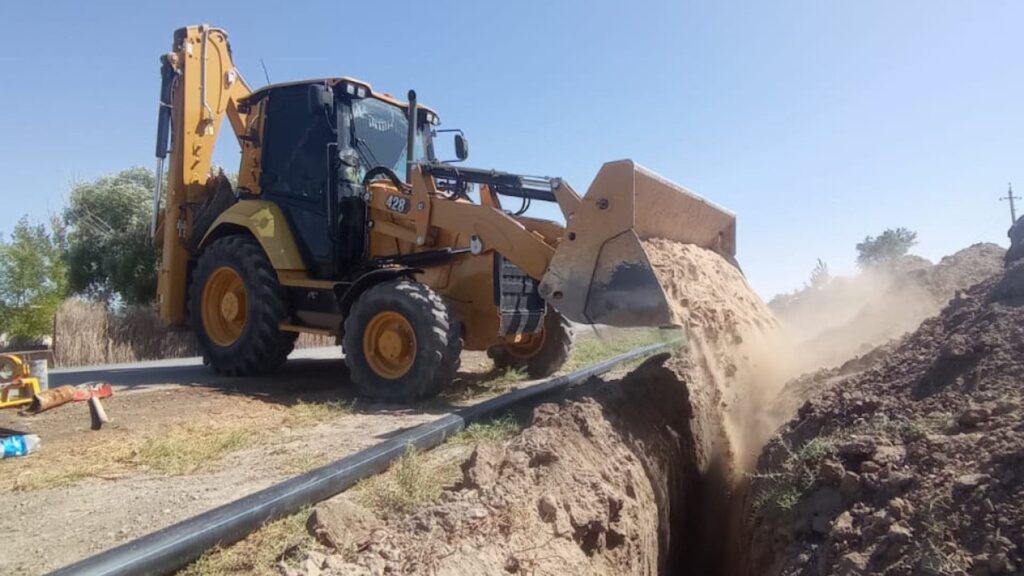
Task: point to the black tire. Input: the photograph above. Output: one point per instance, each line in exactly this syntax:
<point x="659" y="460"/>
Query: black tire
<point x="438" y="342"/>
<point x="262" y="346"/>
<point x="222" y="198"/>
<point x="548" y="359"/>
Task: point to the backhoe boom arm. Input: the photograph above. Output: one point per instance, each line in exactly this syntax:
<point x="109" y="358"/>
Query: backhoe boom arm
<point x="199" y="86"/>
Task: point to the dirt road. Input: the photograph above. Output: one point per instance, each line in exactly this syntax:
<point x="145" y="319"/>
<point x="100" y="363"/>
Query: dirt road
<point x="183" y="440"/>
<point x="191" y="371"/>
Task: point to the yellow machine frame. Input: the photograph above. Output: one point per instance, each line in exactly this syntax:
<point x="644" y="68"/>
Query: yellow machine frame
<point x="581" y="266"/>
<point x="21" y="382"/>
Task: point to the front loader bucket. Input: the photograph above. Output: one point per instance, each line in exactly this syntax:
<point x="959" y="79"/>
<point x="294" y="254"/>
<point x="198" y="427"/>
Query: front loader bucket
<point x="600" y="273"/>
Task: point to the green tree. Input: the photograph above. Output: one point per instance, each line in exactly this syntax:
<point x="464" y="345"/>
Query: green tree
<point x="820" y="276"/>
<point x="883" y="249"/>
<point x="109" y="253"/>
<point x="33" y="280"/>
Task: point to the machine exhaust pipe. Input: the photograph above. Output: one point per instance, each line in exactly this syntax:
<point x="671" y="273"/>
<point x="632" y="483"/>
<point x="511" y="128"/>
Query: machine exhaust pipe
<point x="410" y="138"/>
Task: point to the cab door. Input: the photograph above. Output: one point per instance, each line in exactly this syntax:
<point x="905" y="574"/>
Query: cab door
<point x="296" y="147"/>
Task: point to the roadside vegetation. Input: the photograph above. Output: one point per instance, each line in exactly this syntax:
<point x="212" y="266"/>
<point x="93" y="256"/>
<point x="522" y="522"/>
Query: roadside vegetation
<point x="414" y="480"/>
<point x="258" y="553"/>
<point x="592" y="347"/>
<point x="496" y="430"/>
<point x="305" y="413"/>
<point x="189" y="448"/>
<point x="169" y="449"/>
<point x="419" y="478"/>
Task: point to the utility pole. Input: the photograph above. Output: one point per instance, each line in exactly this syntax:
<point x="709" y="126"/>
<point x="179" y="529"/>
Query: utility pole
<point x="1013" y="210"/>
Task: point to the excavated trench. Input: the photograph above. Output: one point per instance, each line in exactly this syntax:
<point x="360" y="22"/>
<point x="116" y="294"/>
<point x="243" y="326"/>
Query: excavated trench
<point x="635" y="476"/>
<point x="662" y="415"/>
<point x="622" y="477"/>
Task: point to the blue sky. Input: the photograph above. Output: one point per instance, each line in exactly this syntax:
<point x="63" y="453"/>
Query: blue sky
<point x="817" y="122"/>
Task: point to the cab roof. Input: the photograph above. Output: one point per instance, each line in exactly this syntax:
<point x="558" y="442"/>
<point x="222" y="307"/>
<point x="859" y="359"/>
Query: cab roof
<point x="260" y="92"/>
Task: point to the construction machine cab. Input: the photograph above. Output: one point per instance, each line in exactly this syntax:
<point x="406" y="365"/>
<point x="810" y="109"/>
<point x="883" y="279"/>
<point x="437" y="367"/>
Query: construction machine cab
<point x="320" y="139"/>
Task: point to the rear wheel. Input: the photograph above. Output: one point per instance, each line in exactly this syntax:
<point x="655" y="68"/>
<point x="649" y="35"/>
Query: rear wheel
<point x="236" y="307"/>
<point x="401" y="342"/>
<point x="540" y="354"/>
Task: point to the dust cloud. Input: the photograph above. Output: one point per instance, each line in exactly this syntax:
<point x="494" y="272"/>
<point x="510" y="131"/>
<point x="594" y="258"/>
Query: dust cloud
<point x="849" y="316"/>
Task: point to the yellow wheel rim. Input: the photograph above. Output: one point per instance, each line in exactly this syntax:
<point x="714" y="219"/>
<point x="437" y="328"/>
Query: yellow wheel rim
<point x="224" y="306"/>
<point x="389" y="345"/>
<point x="527" y="346"/>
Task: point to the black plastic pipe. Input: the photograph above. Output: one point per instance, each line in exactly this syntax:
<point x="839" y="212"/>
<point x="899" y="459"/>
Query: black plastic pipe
<point x="172" y="548"/>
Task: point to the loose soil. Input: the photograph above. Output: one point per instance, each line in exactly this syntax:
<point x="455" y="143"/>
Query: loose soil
<point x="738" y="358"/>
<point x="587" y="488"/>
<point x="909" y="461"/>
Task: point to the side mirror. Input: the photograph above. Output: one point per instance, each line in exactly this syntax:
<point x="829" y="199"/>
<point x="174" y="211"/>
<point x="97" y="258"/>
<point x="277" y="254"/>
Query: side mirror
<point x="320" y="99"/>
<point x="461" y="147"/>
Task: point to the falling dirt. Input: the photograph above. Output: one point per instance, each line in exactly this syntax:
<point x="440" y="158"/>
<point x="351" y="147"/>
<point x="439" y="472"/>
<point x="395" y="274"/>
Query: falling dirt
<point x="740" y="358"/>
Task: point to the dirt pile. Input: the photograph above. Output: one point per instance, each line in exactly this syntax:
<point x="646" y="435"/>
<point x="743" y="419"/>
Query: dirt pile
<point x="850" y="316"/>
<point x="590" y="487"/>
<point x="910" y="462"/>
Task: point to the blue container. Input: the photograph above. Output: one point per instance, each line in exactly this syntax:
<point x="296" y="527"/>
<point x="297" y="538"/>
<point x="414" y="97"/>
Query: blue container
<point x="19" y="445"/>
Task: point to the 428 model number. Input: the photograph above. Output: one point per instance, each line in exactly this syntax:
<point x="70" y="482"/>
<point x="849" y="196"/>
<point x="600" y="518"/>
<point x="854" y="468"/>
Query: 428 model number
<point x="397" y="203"/>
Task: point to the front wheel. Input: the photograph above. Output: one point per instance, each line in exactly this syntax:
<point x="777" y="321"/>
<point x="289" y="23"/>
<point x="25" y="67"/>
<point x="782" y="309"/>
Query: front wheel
<point x="402" y="342"/>
<point x="236" y="307"/>
<point x="540" y="354"/>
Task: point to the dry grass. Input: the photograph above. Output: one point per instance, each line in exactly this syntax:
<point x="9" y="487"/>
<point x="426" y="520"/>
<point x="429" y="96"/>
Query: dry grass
<point x="87" y="333"/>
<point x="303" y="462"/>
<point x="181" y="450"/>
<point x="306" y="340"/>
<point x="304" y="413"/>
<point x="504" y="379"/>
<point x="602" y="346"/>
<point x="259" y="552"/>
<point x="169" y="449"/>
<point x="109" y="459"/>
<point x="188" y="448"/>
<point x="493" y="382"/>
<point x="412" y="481"/>
<point x="496" y="430"/>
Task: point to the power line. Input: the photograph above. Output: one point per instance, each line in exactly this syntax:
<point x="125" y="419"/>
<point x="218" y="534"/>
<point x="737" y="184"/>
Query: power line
<point x="1009" y="196"/>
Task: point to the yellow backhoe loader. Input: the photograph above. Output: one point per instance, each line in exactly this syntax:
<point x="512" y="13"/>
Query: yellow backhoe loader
<point x="344" y="223"/>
